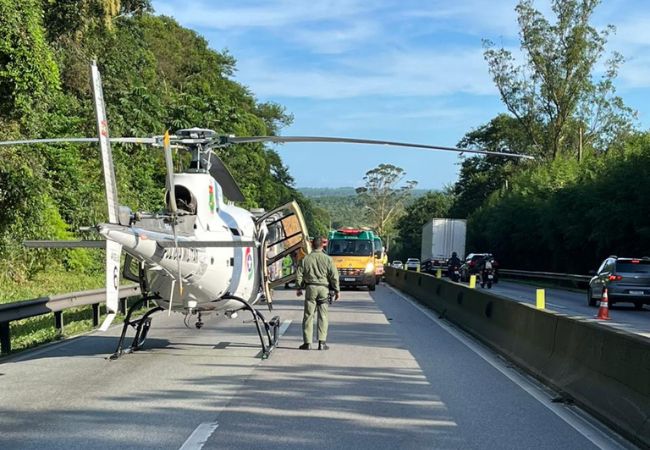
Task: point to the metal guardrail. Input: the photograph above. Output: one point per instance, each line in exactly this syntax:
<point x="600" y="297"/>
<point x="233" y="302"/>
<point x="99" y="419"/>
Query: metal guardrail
<point x="560" y="278"/>
<point x="57" y="304"/>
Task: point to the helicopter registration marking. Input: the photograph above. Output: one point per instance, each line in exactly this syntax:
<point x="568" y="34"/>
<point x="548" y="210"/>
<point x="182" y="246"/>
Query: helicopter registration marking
<point x="184" y="254"/>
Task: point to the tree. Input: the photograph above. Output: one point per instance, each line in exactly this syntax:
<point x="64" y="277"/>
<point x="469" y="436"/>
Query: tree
<point x="157" y="75"/>
<point x="553" y="94"/>
<point x="409" y="226"/>
<point x="481" y="175"/>
<point x="381" y="199"/>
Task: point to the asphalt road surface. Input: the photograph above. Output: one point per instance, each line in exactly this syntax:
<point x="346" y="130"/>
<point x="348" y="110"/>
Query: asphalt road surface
<point x="574" y="303"/>
<point x="395" y="377"/>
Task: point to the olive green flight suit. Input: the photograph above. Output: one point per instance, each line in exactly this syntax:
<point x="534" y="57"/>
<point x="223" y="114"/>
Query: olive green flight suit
<point x="317" y="274"/>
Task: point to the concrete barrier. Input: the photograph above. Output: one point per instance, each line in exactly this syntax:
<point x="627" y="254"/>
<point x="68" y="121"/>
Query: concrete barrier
<point x="604" y="370"/>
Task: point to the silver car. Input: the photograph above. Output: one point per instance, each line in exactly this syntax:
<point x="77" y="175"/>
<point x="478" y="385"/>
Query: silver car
<point x="397" y="264"/>
<point x="626" y="280"/>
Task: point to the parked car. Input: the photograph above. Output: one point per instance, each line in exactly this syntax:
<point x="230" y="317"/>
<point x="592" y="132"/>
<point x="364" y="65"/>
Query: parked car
<point x="626" y="280"/>
<point x="472" y="265"/>
<point x="412" y="264"/>
<point x="397" y="264"/>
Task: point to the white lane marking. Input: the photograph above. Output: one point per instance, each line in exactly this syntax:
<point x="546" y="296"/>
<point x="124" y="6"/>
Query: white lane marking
<point x="583" y="426"/>
<point x="199" y="437"/>
<point x="202" y="433"/>
<point x="284" y="326"/>
<point x="554" y="305"/>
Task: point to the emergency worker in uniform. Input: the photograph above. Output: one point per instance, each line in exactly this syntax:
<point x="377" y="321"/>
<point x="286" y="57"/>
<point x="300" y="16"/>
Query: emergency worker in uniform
<point x="317" y="275"/>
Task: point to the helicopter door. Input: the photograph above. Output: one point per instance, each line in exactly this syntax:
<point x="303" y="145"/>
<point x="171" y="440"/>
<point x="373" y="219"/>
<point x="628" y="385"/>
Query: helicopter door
<point x="285" y="245"/>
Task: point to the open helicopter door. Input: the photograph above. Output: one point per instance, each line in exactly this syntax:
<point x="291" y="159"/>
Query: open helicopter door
<point x="286" y="243"/>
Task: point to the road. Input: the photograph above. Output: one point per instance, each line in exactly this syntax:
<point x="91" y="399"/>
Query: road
<point x="396" y="377"/>
<point x="574" y="303"/>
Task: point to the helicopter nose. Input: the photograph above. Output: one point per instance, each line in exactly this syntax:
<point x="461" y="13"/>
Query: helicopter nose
<point x="129" y="238"/>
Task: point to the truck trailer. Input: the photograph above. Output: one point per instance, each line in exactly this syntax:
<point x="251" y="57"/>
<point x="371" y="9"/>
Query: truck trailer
<point x="440" y="238"/>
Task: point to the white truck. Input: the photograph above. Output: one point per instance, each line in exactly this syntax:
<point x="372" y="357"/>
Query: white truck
<point x="440" y="238"/>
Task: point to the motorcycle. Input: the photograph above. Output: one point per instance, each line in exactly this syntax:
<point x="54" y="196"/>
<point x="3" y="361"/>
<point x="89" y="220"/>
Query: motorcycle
<point x="454" y="273"/>
<point x="487" y="277"/>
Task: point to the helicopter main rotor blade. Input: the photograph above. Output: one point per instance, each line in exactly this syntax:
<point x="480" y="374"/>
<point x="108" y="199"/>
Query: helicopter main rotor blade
<point x="169" y="163"/>
<point x="73" y="140"/>
<point x="207" y="244"/>
<point x="287" y="139"/>
<point x="65" y="244"/>
<point x="229" y="186"/>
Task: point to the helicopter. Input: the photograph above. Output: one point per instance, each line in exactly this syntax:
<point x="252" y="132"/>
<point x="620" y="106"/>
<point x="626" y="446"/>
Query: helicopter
<point x="202" y="254"/>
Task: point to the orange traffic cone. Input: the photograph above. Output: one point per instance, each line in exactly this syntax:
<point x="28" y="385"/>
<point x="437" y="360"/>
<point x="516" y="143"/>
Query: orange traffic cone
<point x="603" y="311"/>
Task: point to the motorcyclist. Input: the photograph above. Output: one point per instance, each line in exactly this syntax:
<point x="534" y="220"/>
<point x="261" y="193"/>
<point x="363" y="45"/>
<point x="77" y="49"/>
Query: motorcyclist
<point x="453" y="264"/>
<point x="485" y="267"/>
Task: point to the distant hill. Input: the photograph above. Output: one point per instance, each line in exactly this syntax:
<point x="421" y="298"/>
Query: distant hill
<point x="327" y="192"/>
<point x="342" y="192"/>
<point x="341" y="204"/>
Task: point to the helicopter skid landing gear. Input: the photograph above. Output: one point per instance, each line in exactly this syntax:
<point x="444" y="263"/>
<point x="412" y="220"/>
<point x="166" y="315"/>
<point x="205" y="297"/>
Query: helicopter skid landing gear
<point x="141" y="325"/>
<point x="271" y="333"/>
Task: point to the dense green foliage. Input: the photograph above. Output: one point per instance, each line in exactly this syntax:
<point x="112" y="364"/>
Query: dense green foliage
<point x="157" y="75"/>
<point x="568" y="216"/>
<point x="584" y="197"/>
<point x="424" y="208"/>
<point x="481" y="175"/>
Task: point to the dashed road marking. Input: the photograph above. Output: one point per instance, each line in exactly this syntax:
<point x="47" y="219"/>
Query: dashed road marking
<point x="199" y="437"/>
<point x="202" y="433"/>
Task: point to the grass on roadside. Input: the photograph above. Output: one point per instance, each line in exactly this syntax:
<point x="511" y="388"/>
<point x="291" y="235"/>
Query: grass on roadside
<point x="34" y="331"/>
<point x="48" y="283"/>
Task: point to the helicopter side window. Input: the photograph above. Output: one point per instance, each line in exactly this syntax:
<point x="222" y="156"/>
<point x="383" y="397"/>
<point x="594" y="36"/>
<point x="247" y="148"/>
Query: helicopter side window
<point x="184" y="199"/>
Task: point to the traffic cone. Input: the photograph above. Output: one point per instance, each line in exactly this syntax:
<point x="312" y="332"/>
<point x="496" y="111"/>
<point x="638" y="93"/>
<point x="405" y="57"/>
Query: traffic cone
<point x="603" y="311"/>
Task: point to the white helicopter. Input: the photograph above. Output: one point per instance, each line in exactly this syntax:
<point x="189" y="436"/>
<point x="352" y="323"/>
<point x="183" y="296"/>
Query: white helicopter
<point x="202" y="254"/>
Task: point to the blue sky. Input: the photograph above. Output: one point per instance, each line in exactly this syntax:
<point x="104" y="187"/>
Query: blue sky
<point x="409" y="70"/>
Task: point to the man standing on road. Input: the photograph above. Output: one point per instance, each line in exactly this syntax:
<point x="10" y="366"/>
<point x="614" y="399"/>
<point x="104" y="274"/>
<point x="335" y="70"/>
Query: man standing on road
<point x="317" y="275"/>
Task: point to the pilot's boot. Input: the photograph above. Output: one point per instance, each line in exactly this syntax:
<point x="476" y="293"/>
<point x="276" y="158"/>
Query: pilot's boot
<point x="307" y="347"/>
<point x="323" y="346"/>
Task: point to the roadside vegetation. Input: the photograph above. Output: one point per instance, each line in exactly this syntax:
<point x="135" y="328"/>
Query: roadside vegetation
<point x="585" y="195"/>
<point x="157" y="75"/>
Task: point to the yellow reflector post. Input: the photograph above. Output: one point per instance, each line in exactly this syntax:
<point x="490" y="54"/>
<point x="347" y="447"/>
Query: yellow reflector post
<point x="439" y="273"/>
<point x="541" y="299"/>
<point x="472" y="281"/>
